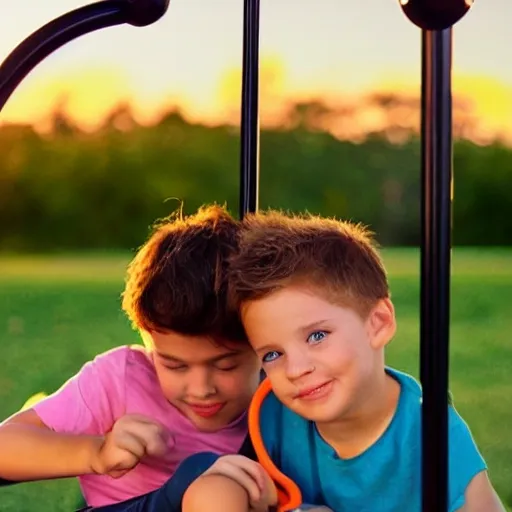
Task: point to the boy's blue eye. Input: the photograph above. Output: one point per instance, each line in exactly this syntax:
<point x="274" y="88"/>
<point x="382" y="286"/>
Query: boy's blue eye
<point x="270" y="356"/>
<point x="317" y="337"/>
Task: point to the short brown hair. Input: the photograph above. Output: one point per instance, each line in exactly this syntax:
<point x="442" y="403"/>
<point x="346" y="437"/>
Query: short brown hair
<point x="178" y="279"/>
<point x="334" y="257"/>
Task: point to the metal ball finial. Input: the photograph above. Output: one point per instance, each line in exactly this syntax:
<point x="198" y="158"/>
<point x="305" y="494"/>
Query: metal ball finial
<point x="435" y="14"/>
<point x="145" y="12"/>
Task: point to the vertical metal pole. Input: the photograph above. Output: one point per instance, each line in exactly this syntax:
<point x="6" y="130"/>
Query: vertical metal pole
<point x="249" y="136"/>
<point x="435" y="263"/>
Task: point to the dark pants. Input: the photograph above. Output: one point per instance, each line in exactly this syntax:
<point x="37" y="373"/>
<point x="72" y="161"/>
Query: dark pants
<point x="167" y="498"/>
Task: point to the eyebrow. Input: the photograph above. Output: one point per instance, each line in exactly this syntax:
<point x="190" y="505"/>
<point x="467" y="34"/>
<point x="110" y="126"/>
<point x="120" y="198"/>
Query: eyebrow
<point x="306" y="329"/>
<point x="215" y="359"/>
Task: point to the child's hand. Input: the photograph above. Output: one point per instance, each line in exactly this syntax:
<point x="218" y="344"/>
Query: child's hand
<point x="132" y="437"/>
<point x="250" y="475"/>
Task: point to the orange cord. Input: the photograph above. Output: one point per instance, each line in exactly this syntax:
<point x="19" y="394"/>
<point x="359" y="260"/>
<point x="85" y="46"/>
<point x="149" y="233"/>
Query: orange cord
<point x="288" y="493"/>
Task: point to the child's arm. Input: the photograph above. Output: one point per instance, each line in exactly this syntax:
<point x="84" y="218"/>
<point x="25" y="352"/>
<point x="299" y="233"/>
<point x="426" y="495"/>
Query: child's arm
<point x="242" y="483"/>
<point x="29" y="450"/>
<point x="481" y="496"/>
<point x="470" y="487"/>
<point x="215" y="493"/>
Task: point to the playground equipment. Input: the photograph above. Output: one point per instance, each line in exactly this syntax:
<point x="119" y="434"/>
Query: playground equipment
<point x="435" y="18"/>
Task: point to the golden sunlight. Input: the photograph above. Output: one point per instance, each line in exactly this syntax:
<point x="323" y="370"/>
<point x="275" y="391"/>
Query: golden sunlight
<point x="487" y="100"/>
<point x="273" y="93"/>
<point x="87" y="96"/>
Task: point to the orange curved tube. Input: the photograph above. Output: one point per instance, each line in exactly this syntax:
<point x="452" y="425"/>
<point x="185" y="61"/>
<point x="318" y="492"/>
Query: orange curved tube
<point x="288" y="493"/>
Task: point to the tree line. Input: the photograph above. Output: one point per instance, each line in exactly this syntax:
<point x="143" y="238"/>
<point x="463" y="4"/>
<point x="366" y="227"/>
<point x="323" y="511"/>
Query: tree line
<point x="71" y="190"/>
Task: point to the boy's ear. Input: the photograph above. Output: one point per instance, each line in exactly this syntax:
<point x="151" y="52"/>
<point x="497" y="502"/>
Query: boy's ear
<point x="381" y="323"/>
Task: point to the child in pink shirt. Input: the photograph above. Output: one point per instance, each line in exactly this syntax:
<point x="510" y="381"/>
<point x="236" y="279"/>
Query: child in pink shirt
<point x="127" y="420"/>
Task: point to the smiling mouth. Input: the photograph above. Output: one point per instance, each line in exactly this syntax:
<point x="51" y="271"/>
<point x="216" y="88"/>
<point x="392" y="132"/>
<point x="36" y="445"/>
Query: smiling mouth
<point x="206" y="410"/>
<point x="315" y="392"/>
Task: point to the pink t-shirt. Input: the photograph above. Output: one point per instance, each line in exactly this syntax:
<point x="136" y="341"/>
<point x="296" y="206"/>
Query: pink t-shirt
<point x="123" y="381"/>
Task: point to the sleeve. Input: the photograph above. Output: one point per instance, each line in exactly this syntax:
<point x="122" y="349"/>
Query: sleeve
<point x="465" y="460"/>
<point x="91" y="401"/>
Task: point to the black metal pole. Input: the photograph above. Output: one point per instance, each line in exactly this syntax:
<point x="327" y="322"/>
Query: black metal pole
<point x="435" y="263"/>
<point x="249" y="128"/>
<point x="35" y="48"/>
<point x="436" y="19"/>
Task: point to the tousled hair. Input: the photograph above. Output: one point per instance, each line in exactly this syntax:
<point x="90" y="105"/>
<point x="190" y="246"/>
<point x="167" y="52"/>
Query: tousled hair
<point x="178" y="279"/>
<point x="336" y="258"/>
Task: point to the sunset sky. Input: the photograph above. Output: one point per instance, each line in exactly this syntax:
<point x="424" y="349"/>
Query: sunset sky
<point x="192" y="57"/>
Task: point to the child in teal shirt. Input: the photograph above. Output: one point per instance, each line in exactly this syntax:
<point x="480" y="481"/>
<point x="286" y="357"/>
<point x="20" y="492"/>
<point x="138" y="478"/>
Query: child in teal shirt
<point x="333" y="426"/>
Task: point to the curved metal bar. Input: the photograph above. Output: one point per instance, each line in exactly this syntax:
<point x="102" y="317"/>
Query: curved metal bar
<point x="35" y="48"/>
<point x="249" y="128"/>
<point x="436" y="200"/>
<point x="64" y="29"/>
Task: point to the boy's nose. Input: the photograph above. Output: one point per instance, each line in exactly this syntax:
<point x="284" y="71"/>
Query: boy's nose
<point x="200" y="384"/>
<point x="298" y="365"/>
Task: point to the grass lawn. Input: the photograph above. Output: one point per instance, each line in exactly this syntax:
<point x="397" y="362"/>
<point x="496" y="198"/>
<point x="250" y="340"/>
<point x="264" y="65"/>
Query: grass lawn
<point x="58" y="312"/>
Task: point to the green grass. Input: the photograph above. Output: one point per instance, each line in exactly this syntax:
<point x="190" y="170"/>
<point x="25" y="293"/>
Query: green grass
<point x="58" y="312"/>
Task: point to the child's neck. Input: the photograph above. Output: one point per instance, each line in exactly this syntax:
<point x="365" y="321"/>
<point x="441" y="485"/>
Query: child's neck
<point x="352" y="435"/>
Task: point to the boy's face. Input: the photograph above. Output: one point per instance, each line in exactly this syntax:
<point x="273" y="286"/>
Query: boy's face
<point x="322" y="359"/>
<point x="210" y="384"/>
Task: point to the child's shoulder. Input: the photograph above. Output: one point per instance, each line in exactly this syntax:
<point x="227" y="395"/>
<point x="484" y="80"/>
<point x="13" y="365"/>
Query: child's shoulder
<point x="408" y="383"/>
<point x="119" y="360"/>
<point x="124" y="354"/>
<point x="412" y="388"/>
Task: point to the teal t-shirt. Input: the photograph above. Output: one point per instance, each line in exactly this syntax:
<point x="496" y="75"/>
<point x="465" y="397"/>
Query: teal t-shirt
<point x="384" y="478"/>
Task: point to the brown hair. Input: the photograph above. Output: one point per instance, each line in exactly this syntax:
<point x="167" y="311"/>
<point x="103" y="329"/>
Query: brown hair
<point x="178" y="279"/>
<point x="337" y="258"/>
